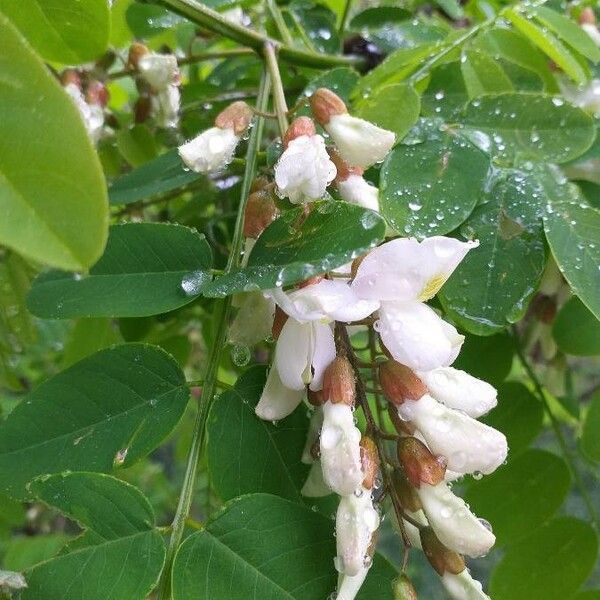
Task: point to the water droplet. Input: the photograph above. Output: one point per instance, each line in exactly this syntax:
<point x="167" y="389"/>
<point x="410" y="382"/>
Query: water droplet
<point x="240" y="355"/>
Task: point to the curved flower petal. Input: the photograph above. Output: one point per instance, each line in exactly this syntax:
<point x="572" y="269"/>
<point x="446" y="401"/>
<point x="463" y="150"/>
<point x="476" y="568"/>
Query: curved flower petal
<point x="454" y="524"/>
<point x="159" y="70"/>
<point x="166" y="106"/>
<point x="323" y="353"/>
<point x="355" y="522"/>
<point x="340" y="449"/>
<point x="459" y="390"/>
<point x="349" y="586"/>
<point x="210" y="151"/>
<point x="304" y="170"/>
<point x="277" y="401"/>
<point x="405" y="269"/>
<point x="468" y="445"/>
<point x="416" y="336"/>
<point x="293" y="354"/>
<point x="357" y="190"/>
<point x="312" y="435"/>
<point x="359" y="142"/>
<point x="315" y="486"/>
<point x="253" y="321"/>
<point x="463" y="586"/>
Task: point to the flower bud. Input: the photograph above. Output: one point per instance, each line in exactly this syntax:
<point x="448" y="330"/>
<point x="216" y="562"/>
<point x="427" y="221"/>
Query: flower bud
<point x="399" y="383"/>
<point x="587" y="16"/>
<point x="70" y="76"/>
<point x="259" y="183"/>
<point x="403" y="588"/>
<point x="344" y="170"/>
<point x="278" y="322"/>
<point x="400" y="425"/>
<point x="325" y="104"/>
<point x="440" y="558"/>
<point x="370" y="461"/>
<point x="299" y="127"/>
<point x="236" y="116"/>
<point x="136" y="51"/>
<point x="338" y="382"/>
<point x="406" y="493"/>
<point x="261" y="211"/>
<point x="97" y="93"/>
<point x="545" y="309"/>
<point x="419" y="464"/>
<point x="315" y="397"/>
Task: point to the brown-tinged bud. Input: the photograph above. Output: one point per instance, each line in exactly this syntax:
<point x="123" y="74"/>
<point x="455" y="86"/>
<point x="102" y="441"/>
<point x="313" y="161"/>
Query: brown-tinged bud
<point x="315" y="398"/>
<point x="399" y="383"/>
<point x="338" y="382"/>
<point x="325" y="104"/>
<point x="70" y="76"/>
<point x="142" y="109"/>
<point x="261" y="211"/>
<point x="439" y="557"/>
<point x="259" y="183"/>
<point x="299" y="127"/>
<point x="419" y="464"/>
<point x="587" y="16"/>
<point x="136" y="51"/>
<point x="97" y="93"/>
<point x="278" y="322"/>
<point x="370" y="461"/>
<point x="236" y="116"/>
<point x="400" y="425"/>
<point x="406" y="493"/>
<point x="344" y="170"/>
<point x="403" y="588"/>
<point x="545" y="309"/>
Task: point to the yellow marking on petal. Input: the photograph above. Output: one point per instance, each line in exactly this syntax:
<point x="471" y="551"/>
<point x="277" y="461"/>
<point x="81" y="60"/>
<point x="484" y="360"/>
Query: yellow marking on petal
<point x="432" y="287"/>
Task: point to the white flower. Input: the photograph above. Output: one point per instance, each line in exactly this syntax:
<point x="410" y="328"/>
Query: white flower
<point x="235" y="15"/>
<point x="277" y="401"/>
<point x="210" y="151"/>
<point x="454" y="524"/>
<point x="468" y="445"/>
<point x="355" y="522"/>
<point x="165" y="106"/>
<point x="349" y="586"/>
<point x="463" y="586"/>
<point x="304" y="170"/>
<point x="159" y="70"/>
<point x="592" y="30"/>
<point x="92" y="115"/>
<point x="253" y="321"/>
<point x="403" y="274"/>
<point x="586" y="98"/>
<point x="459" y="390"/>
<point x="315" y="486"/>
<point x="359" y="142"/>
<point x="357" y="190"/>
<point x="340" y="449"/>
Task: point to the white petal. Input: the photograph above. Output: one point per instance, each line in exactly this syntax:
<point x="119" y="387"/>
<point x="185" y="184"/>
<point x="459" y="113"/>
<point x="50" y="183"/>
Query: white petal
<point x="454" y="524"/>
<point x="277" y="401"/>
<point x="463" y="586"/>
<point x="159" y="70"/>
<point x="304" y="170"/>
<point x="92" y="115"/>
<point x="349" y="586"/>
<point x="253" y="321"/>
<point x="416" y="336"/>
<point x="355" y="522"/>
<point x="315" y="486"/>
<point x="210" y="151"/>
<point x="312" y="435"/>
<point x="235" y="15"/>
<point x="405" y="269"/>
<point x="468" y="445"/>
<point x="340" y="449"/>
<point x="459" y="390"/>
<point x="293" y="354"/>
<point x="412" y="532"/>
<point x="359" y="142"/>
<point x="166" y="107"/>
<point x="323" y="353"/>
<point x="356" y="190"/>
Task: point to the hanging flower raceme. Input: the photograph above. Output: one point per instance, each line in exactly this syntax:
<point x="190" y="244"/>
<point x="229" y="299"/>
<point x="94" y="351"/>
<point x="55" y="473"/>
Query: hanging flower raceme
<point x="304" y="169"/>
<point x="359" y="142"/>
<point x="403" y="274"/>
<point x="90" y="105"/>
<point x="213" y="149"/>
<point x="352" y="186"/>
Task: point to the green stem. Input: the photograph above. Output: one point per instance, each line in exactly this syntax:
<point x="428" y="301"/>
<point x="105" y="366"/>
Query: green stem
<point x="284" y="32"/>
<point x="539" y="390"/>
<point x="210" y="379"/>
<point x="345" y="15"/>
<point x="210" y="19"/>
<point x="278" y="92"/>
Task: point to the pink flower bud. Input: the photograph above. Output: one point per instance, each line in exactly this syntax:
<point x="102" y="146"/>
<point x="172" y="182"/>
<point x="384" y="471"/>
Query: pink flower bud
<point x="261" y="211"/>
<point x="587" y="16"/>
<point x="419" y="464"/>
<point x="299" y="127"/>
<point x="136" y="51"/>
<point x="236" y="116"/>
<point x="325" y="104"/>
<point x="338" y="382"/>
<point x="370" y="461"/>
<point x="97" y="93"/>
<point x="399" y="383"/>
<point x="440" y="558"/>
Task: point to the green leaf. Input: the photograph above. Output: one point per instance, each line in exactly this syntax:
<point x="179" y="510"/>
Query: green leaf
<point x="147" y="269"/>
<point x="404" y="114"/>
<point x="62" y="30"/>
<point x="521" y="495"/>
<point x="23" y="552"/>
<point x="294" y="248"/>
<point x="590" y="435"/>
<point x="567" y="30"/>
<point x="340" y="80"/>
<point x="492" y="286"/>
<point x="572" y="228"/>
<point x="430" y="188"/>
<point x="488" y="358"/>
<point x="110" y="508"/>
<point x="89" y="336"/>
<point x="550" y="564"/>
<point x="48" y="167"/>
<point x="446" y="93"/>
<point x="576" y="330"/>
<point x="137" y="145"/>
<point x="483" y="74"/>
<point x="108" y="410"/>
<point x="588" y="595"/>
<point x="262" y="546"/>
<point x="518" y="415"/>
<point x="316" y="25"/>
<point x="157" y="177"/>
<point x="535" y="126"/>
<point x="236" y="437"/>
<point x="549" y="44"/>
